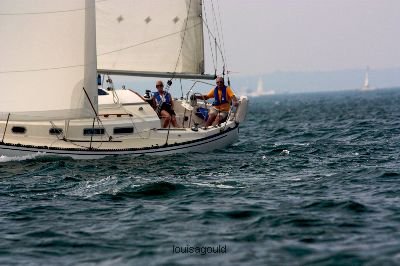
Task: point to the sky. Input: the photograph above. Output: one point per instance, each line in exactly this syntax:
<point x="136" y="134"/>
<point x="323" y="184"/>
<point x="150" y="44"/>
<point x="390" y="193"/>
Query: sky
<point x="264" y="36"/>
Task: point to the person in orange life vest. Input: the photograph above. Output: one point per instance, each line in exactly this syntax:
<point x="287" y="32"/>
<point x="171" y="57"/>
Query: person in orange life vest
<point x="223" y="96"/>
<point x="164" y="105"/>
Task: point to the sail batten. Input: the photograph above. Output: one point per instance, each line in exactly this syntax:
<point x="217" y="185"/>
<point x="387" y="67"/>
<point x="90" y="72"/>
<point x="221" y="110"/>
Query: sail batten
<point x="50" y="57"/>
<point x="135" y="36"/>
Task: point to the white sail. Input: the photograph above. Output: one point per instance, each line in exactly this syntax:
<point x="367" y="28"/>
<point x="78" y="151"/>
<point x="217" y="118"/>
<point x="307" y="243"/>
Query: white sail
<point x="48" y="56"/>
<point x="366" y="86"/>
<point x="260" y="87"/>
<point x="150" y="36"/>
<point x="366" y="80"/>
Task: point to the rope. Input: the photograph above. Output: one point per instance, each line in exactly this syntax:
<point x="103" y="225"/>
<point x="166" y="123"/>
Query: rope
<point x="54" y="127"/>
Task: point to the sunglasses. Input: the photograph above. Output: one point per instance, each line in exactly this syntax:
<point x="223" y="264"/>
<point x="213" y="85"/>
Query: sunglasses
<point x="159" y="86"/>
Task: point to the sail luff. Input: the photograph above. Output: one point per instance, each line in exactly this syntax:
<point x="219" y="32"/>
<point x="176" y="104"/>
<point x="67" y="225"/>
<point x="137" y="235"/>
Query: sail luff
<point x="90" y="78"/>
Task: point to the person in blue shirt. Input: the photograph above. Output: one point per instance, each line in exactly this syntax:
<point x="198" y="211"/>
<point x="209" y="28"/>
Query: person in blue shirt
<point x="164" y="105"/>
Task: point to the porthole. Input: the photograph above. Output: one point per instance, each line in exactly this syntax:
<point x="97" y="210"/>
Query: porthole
<point x="55" y="131"/>
<point x="18" y="130"/>
<point x="123" y="130"/>
<point x="102" y="92"/>
<point x="93" y="131"/>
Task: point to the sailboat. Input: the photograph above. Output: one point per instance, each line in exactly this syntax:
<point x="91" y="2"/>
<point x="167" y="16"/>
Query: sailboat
<point x="260" y="90"/>
<point x="53" y="54"/>
<point x="366" y="86"/>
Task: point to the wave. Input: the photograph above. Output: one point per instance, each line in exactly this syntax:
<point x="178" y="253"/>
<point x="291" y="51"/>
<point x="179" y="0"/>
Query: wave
<point x="4" y="159"/>
<point x="348" y="205"/>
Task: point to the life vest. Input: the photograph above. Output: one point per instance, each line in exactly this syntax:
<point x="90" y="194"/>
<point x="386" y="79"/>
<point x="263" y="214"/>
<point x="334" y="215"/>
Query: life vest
<point x="167" y="98"/>
<point x="223" y="97"/>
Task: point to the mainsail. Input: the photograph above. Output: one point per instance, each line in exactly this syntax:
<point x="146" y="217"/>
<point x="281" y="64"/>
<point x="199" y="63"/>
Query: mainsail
<point x="152" y="37"/>
<point x="48" y="57"/>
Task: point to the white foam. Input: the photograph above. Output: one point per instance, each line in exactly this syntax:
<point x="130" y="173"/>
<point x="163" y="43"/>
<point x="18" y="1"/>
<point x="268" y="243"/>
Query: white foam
<point x="215" y="185"/>
<point x="20" y="158"/>
<point x="285" y="152"/>
<point x="91" y="188"/>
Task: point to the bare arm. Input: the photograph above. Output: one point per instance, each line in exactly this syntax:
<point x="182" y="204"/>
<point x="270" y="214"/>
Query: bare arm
<point x="235" y="101"/>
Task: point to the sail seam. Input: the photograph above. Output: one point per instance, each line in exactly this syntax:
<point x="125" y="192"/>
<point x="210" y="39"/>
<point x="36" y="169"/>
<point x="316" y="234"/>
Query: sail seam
<point x="48" y="12"/>
<point x="145" y="42"/>
<point x="41" y="69"/>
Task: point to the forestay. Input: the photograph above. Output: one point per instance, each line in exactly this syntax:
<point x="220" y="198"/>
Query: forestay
<point x="147" y="36"/>
<point x="48" y="56"/>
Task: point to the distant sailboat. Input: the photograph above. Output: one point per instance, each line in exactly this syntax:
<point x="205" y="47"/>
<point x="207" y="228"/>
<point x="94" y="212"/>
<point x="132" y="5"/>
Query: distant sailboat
<point x="260" y="90"/>
<point x="260" y="87"/>
<point x="366" y="86"/>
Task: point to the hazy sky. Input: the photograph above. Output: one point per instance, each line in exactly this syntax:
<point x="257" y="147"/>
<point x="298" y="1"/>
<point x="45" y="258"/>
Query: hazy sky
<point x="263" y="36"/>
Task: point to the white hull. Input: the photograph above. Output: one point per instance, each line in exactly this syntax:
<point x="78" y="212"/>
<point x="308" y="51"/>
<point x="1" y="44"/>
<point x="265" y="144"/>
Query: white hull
<point x="217" y="141"/>
<point x="130" y="112"/>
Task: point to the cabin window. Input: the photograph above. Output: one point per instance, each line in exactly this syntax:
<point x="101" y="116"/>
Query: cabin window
<point x="93" y="131"/>
<point x="55" y="131"/>
<point x="123" y="130"/>
<point x="18" y="130"/>
<point x="102" y="92"/>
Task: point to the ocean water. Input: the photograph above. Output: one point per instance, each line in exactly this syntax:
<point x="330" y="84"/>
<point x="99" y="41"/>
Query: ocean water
<point x="313" y="180"/>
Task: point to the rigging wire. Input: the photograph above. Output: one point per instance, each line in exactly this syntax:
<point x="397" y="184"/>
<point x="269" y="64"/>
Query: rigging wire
<point x="218" y="46"/>
<point x="218" y="36"/>
<point x="97" y="117"/>
<point x="216" y="22"/>
<point x="205" y="22"/>
<point x="53" y="126"/>
<point x="222" y="33"/>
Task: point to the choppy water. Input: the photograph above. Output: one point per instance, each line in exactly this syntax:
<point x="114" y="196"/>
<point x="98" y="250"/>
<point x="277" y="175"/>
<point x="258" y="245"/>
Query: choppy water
<point x="314" y="180"/>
